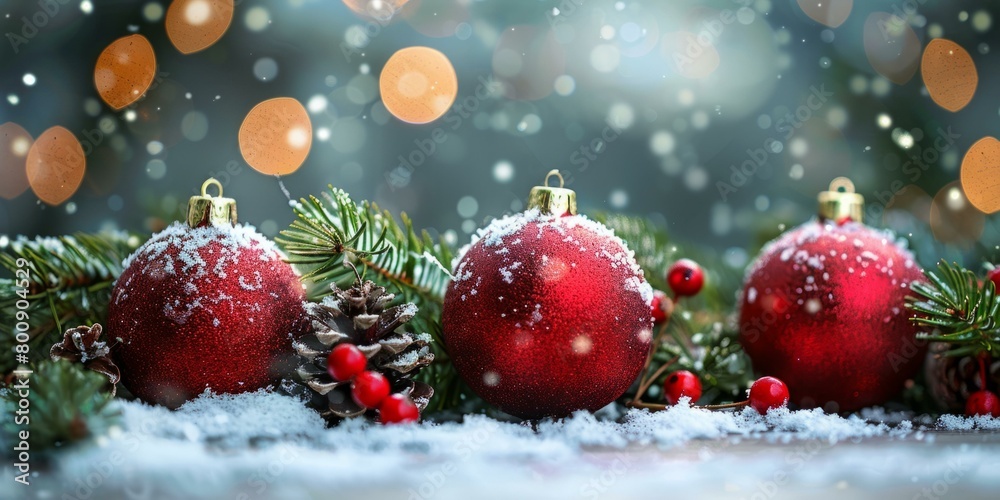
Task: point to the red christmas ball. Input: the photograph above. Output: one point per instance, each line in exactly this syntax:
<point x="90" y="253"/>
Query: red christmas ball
<point x="202" y="308"/>
<point x="548" y="315"/>
<point x="660" y="306"/>
<point x="823" y="310"/>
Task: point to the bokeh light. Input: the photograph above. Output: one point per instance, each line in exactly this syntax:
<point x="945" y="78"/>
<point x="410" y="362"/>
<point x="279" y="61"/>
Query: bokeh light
<point x="527" y="61"/>
<point x="418" y="84"/>
<point x="436" y="18"/>
<point x="276" y="136"/>
<point x="981" y="175"/>
<point x="125" y="70"/>
<point x="381" y="10"/>
<point x="55" y="165"/>
<point x="891" y="46"/>
<point x="949" y="74"/>
<point x="195" y="25"/>
<point x="693" y="59"/>
<point x="14" y="145"/>
<point x="954" y="219"/>
<point x="830" y="13"/>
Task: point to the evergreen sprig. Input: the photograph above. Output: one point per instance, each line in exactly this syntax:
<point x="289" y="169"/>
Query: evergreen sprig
<point x="68" y="404"/>
<point x="702" y="335"/>
<point x="958" y="309"/>
<point x="333" y="229"/>
<point x="68" y="278"/>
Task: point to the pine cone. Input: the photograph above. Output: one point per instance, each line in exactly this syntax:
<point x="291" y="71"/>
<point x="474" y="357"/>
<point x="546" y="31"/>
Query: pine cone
<point x="359" y="316"/>
<point x="952" y="378"/>
<point x="83" y="345"/>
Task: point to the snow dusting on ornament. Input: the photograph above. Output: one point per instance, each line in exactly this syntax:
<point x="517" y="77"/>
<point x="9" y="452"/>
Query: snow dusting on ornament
<point x="547" y="315"/>
<point x="823" y="310"/>
<point x="210" y="307"/>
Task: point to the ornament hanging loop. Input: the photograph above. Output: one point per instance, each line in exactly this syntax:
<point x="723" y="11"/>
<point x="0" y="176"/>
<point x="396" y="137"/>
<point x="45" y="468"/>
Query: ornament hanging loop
<point x="208" y="210"/>
<point x="552" y="200"/>
<point x="841" y="202"/>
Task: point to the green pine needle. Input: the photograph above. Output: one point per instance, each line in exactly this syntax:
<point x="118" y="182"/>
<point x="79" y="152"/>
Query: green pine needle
<point x="69" y="404"/>
<point x="332" y="230"/>
<point x="69" y="280"/>
<point x="958" y="309"/>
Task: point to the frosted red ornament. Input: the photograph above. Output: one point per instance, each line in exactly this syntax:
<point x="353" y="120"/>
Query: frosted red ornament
<point x="207" y="305"/>
<point x="823" y="309"/>
<point x="548" y="312"/>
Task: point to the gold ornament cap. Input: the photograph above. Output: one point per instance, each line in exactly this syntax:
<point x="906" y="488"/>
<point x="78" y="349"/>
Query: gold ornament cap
<point x="208" y="210"/>
<point x="841" y="201"/>
<point x="557" y="201"/>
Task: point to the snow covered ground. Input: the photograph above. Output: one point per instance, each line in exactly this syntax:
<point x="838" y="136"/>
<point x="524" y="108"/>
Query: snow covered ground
<point x="264" y="445"/>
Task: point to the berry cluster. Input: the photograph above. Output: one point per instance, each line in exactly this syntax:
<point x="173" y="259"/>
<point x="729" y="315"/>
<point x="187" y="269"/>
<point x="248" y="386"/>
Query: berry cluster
<point x="766" y="393"/>
<point x="369" y="389"/>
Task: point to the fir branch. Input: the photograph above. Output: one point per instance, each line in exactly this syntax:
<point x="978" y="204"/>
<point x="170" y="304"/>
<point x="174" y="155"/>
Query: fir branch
<point x="334" y="229"/>
<point x="331" y="230"/>
<point x="68" y="404"/>
<point x="958" y="309"/>
<point x="705" y="338"/>
<point x="68" y="278"/>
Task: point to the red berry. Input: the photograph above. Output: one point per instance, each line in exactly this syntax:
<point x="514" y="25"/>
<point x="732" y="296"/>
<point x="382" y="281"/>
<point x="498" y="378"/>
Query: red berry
<point x="660" y="304"/>
<point x="398" y="409"/>
<point x="685" y="278"/>
<point x="369" y="389"/>
<point x="345" y="362"/>
<point x="983" y="403"/>
<point x="767" y="393"/>
<point x="994" y="276"/>
<point x="681" y="383"/>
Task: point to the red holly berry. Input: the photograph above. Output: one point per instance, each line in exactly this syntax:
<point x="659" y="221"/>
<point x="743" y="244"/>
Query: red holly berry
<point x="681" y="383"/>
<point x="685" y="278"/>
<point x="369" y="389"/>
<point x="982" y="403"/>
<point x="345" y="362"/>
<point x="398" y="409"/>
<point x="994" y="276"/>
<point x="660" y="304"/>
<point x="767" y="393"/>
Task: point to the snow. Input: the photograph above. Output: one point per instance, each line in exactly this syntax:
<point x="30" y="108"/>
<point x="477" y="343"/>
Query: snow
<point x="496" y="234"/>
<point x="264" y="445"/>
